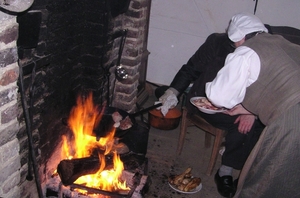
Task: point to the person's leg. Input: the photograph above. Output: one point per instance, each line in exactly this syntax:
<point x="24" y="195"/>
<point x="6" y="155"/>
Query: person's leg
<point x="223" y="177"/>
<point x="237" y="145"/>
<point x="237" y="148"/>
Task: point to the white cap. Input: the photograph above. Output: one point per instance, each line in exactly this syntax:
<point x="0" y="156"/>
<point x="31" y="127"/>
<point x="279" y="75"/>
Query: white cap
<point x="242" y="24"/>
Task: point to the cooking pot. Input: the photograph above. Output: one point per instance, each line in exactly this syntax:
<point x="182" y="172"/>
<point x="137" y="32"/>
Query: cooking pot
<point x="168" y="122"/>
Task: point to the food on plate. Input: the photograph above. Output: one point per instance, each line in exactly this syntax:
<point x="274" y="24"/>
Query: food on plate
<point x="185" y="181"/>
<point x="194" y="182"/>
<point x="205" y="103"/>
<point x="177" y="180"/>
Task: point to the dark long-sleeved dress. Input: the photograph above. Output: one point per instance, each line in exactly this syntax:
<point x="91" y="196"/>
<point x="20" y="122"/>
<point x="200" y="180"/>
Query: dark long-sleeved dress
<point x="204" y="64"/>
<point x="202" y="67"/>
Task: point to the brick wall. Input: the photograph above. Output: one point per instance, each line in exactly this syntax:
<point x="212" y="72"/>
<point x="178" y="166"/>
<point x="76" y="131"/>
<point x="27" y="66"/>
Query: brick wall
<point x="67" y="58"/>
<point x="9" y="125"/>
<point x="135" y="54"/>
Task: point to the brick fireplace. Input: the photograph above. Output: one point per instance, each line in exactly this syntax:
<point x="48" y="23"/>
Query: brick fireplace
<point x="63" y="48"/>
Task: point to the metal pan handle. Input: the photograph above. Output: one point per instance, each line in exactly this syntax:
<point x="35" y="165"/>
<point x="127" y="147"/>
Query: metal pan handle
<point x="146" y="110"/>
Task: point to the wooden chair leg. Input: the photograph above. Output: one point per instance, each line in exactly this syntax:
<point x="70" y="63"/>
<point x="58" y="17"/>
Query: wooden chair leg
<point x="215" y="151"/>
<point x="183" y="129"/>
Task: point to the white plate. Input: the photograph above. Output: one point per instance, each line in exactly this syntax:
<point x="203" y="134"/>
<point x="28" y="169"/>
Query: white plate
<point x="197" y="189"/>
<point x="204" y="110"/>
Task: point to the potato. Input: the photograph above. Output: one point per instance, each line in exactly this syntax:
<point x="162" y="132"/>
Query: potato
<point x="184" y="181"/>
<point x="192" y="184"/>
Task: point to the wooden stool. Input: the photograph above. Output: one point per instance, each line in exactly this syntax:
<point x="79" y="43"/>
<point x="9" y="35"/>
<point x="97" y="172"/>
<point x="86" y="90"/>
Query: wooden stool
<point x="197" y="120"/>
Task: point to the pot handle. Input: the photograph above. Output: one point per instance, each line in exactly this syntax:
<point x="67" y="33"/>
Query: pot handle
<point x="146" y="110"/>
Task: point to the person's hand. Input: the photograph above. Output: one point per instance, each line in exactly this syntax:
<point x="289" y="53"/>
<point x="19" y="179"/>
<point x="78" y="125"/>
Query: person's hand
<point x="169" y="93"/>
<point x="237" y="110"/>
<point x="245" y="122"/>
<point x="169" y="100"/>
<point x="245" y="118"/>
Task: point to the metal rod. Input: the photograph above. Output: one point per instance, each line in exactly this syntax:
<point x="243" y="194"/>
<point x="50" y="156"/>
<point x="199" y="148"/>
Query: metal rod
<point x="122" y="43"/>
<point x="255" y="7"/>
<point x="98" y="191"/>
<point x="29" y="176"/>
<point x="147" y="109"/>
<point x="28" y="127"/>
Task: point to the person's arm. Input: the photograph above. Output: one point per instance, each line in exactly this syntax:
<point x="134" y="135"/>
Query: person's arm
<point x="192" y="70"/>
<point x="241" y="69"/>
<point x="198" y="63"/>
<point x="238" y="110"/>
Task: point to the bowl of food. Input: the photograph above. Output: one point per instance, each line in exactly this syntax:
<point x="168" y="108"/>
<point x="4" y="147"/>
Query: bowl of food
<point x="185" y="182"/>
<point x="204" y="105"/>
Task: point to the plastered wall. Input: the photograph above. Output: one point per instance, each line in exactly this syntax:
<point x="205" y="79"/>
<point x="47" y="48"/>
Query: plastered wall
<point x="178" y="28"/>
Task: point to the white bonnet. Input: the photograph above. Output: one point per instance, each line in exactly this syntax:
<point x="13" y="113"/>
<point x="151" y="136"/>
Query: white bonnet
<point x="242" y="24"/>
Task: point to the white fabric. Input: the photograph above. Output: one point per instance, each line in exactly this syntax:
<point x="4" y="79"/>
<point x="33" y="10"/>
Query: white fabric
<point x="167" y="93"/>
<point x="170" y="102"/>
<point x="242" y="24"/>
<point x="241" y="69"/>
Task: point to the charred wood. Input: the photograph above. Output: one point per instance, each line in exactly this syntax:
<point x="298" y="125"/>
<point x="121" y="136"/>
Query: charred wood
<point x="70" y="170"/>
<point x="98" y="191"/>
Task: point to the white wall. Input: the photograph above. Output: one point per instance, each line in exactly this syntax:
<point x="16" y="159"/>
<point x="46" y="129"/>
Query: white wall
<point x="179" y="27"/>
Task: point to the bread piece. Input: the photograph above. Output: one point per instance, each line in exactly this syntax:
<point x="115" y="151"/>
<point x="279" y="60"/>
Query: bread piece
<point x="192" y="184"/>
<point x="178" y="179"/>
<point x="186" y="180"/>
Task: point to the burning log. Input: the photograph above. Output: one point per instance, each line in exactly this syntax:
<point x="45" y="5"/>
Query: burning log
<point x="70" y="170"/>
<point x="98" y="191"/>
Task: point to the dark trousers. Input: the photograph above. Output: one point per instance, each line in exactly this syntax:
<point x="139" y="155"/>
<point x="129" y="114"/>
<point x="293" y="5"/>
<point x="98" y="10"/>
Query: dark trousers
<point x="237" y="145"/>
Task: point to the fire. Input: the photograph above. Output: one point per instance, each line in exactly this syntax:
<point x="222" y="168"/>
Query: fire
<point x="106" y="179"/>
<point x="83" y="117"/>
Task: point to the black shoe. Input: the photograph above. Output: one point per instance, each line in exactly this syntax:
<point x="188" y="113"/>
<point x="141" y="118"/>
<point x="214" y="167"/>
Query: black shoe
<point x="225" y="185"/>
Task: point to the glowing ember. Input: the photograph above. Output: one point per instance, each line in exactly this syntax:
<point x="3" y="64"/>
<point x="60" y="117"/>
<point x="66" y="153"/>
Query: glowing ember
<point x="83" y="117"/>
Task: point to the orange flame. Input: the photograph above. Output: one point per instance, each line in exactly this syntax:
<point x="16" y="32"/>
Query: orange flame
<point x="83" y="117"/>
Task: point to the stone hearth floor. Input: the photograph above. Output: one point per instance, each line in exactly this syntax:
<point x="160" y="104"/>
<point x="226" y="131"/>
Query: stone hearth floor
<point x="163" y="160"/>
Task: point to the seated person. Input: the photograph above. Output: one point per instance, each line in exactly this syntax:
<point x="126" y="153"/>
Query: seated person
<point x="262" y="77"/>
<point x="242" y="130"/>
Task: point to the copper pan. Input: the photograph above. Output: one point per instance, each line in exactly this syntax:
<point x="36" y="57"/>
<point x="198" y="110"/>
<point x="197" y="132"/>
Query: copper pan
<point x="168" y="122"/>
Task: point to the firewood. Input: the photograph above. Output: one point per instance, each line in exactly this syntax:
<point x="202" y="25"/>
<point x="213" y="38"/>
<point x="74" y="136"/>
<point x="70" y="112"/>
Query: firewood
<point x="70" y="170"/>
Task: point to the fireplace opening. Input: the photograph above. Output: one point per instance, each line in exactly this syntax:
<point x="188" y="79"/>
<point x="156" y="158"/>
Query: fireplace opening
<point x="111" y="166"/>
<point x="64" y="48"/>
